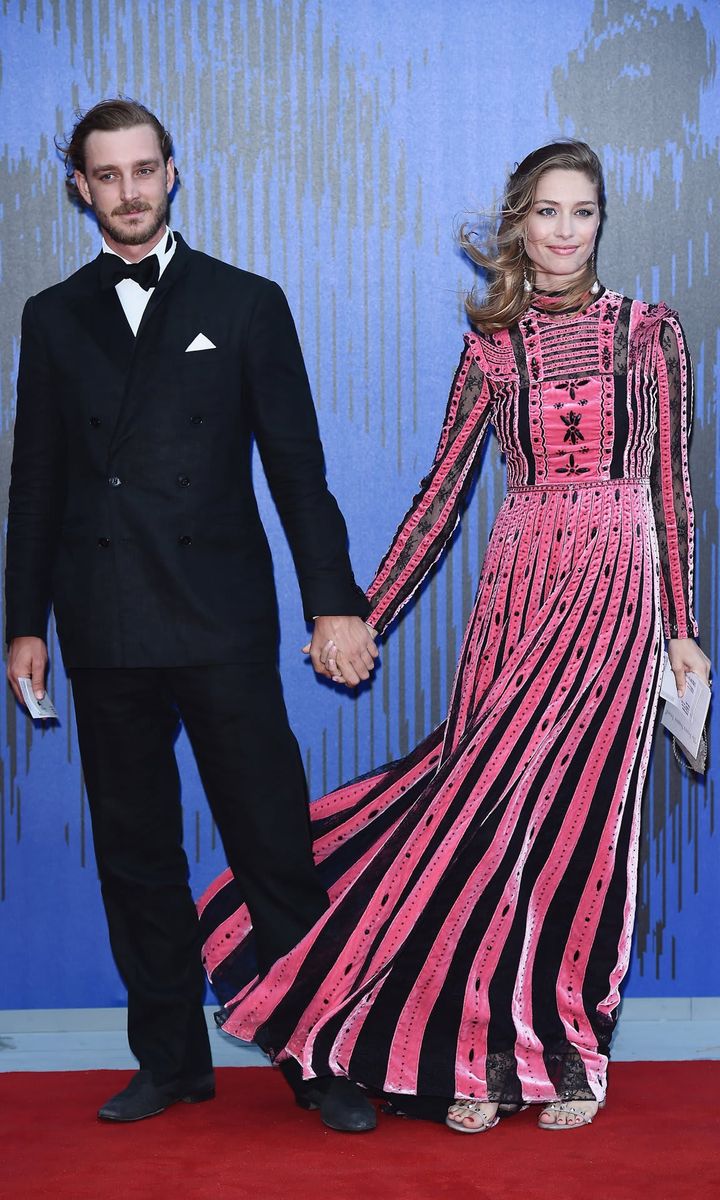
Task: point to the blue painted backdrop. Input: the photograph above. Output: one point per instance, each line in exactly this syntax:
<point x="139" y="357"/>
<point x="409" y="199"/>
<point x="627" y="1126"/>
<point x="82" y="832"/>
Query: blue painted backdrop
<point x="335" y="146"/>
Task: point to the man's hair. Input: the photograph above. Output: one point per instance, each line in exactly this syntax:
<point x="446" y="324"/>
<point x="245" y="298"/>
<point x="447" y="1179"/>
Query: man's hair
<point x="116" y="113"/>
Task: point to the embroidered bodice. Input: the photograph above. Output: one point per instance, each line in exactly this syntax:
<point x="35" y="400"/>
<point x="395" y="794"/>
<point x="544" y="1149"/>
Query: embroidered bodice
<point x="597" y="397"/>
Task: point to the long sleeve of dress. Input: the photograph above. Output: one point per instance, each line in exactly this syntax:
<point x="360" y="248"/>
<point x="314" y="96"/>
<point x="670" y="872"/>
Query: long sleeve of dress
<point x="435" y="510"/>
<point x="670" y="481"/>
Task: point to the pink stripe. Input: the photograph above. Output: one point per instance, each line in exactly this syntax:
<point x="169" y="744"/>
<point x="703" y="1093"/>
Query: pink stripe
<point x="225" y="939"/>
<point x="666" y="475"/>
<point x="676" y="571"/>
<point x="411" y="1026"/>
<point x="536" y="1084"/>
<point x="344" y="1044"/>
<point x="589" y="914"/>
<point x="244" y="1024"/>
<point x="212" y="890"/>
<point x="529" y="1050"/>
<point x="218" y="946"/>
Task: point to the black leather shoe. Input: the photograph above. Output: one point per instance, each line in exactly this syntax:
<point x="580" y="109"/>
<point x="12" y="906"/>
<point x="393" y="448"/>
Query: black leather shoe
<point x="143" y="1098"/>
<point x="345" y="1108"/>
<point x="308" y="1093"/>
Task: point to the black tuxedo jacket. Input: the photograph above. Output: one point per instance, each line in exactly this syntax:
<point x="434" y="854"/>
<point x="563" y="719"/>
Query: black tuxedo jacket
<point x="132" y="508"/>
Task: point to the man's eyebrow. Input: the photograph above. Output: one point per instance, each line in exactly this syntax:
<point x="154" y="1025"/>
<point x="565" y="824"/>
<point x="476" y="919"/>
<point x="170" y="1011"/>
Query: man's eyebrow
<point x="143" y="162"/>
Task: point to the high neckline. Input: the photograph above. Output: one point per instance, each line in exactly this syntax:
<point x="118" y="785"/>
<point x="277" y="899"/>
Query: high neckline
<point x="538" y="307"/>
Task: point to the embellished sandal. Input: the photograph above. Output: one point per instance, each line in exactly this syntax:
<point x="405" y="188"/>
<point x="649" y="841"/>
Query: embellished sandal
<point x="470" y="1108"/>
<point x="579" y="1116"/>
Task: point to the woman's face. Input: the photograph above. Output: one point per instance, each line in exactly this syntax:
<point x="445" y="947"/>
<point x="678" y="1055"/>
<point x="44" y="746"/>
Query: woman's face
<point x="561" y="229"/>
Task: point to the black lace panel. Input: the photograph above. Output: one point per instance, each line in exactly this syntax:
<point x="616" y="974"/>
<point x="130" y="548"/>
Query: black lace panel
<point x="674" y="544"/>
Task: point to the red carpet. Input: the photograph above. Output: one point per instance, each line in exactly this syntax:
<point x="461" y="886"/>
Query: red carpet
<point x="658" y="1139"/>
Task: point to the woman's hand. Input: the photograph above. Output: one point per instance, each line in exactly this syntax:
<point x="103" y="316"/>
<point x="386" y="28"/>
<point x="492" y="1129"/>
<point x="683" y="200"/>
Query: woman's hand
<point x="342" y="649"/>
<point x="329" y="658"/>
<point x="686" y="657"/>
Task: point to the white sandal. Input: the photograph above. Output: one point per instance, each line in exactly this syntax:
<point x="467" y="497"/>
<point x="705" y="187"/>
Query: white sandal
<point x="581" y="1117"/>
<point x="471" y="1108"/>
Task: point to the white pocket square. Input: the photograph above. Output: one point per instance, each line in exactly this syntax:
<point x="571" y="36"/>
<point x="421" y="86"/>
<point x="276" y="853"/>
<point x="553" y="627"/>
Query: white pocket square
<point x="200" y="343"/>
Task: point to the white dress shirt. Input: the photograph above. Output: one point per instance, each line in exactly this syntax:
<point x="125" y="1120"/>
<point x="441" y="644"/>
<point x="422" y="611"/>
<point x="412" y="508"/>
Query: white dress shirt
<point x="134" y="298"/>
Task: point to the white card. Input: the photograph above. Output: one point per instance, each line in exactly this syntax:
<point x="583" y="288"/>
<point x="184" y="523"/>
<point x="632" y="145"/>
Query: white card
<point x="668" y="686"/>
<point x="684" y="717"/>
<point x="39" y="709"/>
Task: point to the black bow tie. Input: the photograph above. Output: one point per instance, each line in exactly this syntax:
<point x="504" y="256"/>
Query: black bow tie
<point x="113" y="269"/>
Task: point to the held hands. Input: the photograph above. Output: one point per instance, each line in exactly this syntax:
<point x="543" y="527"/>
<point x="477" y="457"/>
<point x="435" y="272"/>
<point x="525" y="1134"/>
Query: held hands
<point x="342" y="649"/>
<point x="27" y="658"/>
<point x="686" y="657"/>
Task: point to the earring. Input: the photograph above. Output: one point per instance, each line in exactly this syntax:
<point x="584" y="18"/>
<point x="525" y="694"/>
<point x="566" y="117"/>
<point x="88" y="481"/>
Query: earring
<point x="596" y="285"/>
<point x="527" y="286"/>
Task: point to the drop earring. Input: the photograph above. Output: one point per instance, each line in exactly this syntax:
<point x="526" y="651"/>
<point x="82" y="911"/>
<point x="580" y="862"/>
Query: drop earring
<point x="527" y="286"/>
<point x="596" y="284"/>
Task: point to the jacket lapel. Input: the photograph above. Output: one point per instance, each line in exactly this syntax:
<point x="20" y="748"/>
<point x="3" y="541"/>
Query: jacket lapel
<point x="102" y="318"/>
<point x="174" y="271"/>
<point x="172" y="274"/>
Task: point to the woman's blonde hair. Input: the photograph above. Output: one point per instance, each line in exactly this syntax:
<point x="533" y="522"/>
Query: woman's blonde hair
<point x="504" y="257"/>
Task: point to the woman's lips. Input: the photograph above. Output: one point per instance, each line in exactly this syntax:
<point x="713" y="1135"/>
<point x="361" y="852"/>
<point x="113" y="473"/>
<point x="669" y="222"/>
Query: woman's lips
<point x="564" y="250"/>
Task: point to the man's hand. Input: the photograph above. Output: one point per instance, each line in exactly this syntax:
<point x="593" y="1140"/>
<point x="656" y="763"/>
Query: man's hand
<point x="686" y="657"/>
<point x="27" y="657"/>
<point x="342" y="649"/>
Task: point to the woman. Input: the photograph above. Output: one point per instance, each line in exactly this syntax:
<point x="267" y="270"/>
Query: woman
<point x="483" y="888"/>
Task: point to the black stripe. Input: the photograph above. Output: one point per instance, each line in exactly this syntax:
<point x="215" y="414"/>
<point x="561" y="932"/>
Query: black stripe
<point x="523" y="413"/>
<point x="622" y="426"/>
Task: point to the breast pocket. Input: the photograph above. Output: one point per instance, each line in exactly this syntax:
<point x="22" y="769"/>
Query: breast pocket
<point x="205" y="370"/>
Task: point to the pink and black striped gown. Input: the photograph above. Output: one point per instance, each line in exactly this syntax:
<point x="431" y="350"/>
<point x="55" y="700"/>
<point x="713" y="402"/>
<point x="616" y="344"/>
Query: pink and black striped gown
<point x="483" y="888"/>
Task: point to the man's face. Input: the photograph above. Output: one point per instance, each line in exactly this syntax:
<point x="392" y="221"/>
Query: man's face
<point x="126" y="183"/>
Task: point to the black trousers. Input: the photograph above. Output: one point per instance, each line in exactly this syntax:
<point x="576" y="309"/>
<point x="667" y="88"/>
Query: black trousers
<point x="252" y="773"/>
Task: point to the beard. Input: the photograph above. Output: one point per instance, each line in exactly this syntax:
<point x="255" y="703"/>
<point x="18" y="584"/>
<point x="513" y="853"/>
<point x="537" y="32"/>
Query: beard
<point x="134" y="237"/>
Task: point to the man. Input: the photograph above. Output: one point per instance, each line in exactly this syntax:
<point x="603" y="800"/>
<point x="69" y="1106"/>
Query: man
<point x="143" y="380"/>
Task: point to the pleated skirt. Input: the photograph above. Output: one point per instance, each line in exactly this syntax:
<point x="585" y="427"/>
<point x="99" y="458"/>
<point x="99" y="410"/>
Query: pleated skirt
<point x="483" y="887"/>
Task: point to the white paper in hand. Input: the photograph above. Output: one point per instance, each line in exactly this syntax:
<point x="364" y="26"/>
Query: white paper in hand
<point x="684" y="717"/>
<point x="39" y="709"/>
